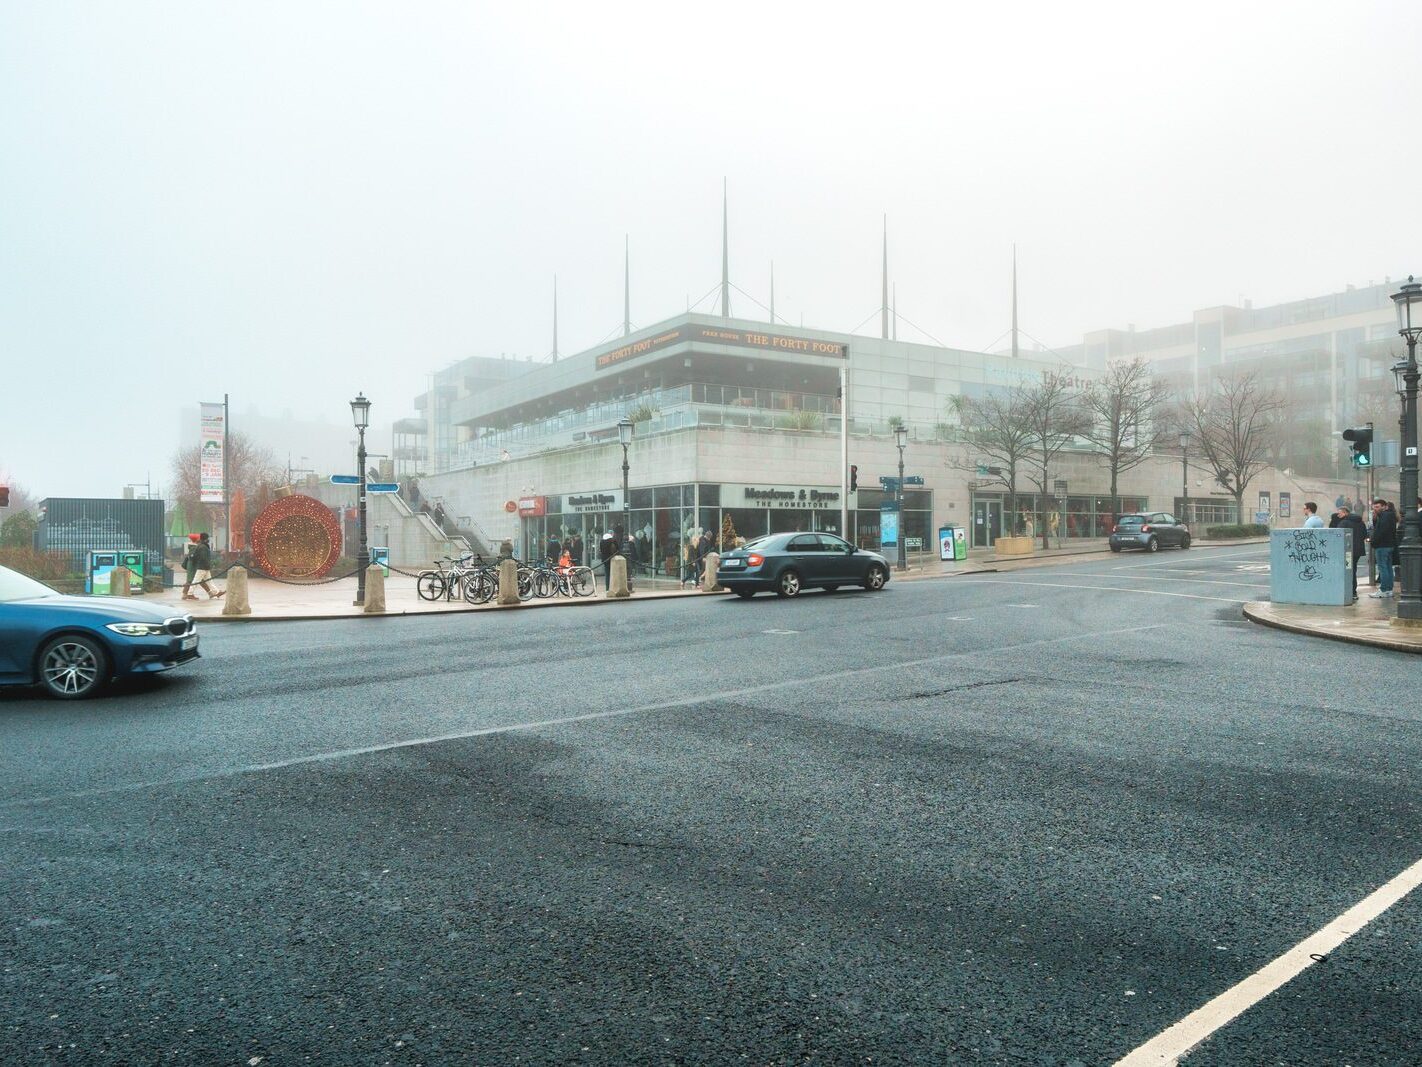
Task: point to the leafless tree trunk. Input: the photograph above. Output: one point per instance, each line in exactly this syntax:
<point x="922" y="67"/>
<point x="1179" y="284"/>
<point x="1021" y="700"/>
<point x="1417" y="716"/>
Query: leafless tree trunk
<point x="1235" y="427"/>
<point x="1055" y="415"/>
<point x="995" y="428"/>
<point x="1124" y="411"/>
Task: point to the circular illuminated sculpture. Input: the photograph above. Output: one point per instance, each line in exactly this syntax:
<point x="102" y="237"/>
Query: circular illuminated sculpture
<point x="296" y="537"/>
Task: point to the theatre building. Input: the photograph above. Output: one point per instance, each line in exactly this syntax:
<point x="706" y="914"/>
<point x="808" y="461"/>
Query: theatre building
<point x="737" y="426"/>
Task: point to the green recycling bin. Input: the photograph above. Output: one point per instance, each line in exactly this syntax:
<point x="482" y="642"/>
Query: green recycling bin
<point x="952" y="543"/>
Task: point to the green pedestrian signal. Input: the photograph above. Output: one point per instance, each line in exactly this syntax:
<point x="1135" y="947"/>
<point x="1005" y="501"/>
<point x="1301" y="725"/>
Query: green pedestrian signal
<point x="1362" y="441"/>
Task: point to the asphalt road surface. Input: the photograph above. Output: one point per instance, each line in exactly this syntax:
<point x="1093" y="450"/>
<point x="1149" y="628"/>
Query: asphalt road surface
<point x="1028" y="818"/>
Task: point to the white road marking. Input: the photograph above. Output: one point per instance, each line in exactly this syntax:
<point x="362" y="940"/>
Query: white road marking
<point x="1022" y="605"/>
<point x="1163" y="578"/>
<point x="1171" y="1044"/>
<point x="592" y="716"/>
<point x="1104" y="589"/>
<point x="1213" y="555"/>
<point x="780" y="631"/>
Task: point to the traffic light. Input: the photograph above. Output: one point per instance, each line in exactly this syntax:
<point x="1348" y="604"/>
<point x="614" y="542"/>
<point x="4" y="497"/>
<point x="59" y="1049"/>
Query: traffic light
<point x="853" y="477"/>
<point x="4" y="496"/>
<point x="1362" y="440"/>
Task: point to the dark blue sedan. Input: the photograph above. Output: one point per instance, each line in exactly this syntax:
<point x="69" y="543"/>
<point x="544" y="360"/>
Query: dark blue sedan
<point x="789" y="562"/>
<point x="74" y="645"/>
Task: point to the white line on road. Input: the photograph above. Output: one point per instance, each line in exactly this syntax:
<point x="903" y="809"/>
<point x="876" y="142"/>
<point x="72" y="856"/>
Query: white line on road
<point x="593" y="716"/>
<point x="1170" y="1045"/>
<point x="1103" y="589"/>
<point x="1163" y="578"/>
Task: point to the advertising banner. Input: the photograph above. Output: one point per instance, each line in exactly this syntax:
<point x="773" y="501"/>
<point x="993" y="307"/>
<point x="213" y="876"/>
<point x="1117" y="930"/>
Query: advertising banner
<point x="211" y="461"/>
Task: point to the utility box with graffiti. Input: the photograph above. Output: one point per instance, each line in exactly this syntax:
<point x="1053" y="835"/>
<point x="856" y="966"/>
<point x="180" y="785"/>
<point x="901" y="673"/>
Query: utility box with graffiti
<point x="1310" y="566"/>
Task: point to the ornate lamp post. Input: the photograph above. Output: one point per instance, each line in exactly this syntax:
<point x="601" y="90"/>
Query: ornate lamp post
<point x="1185" y="477"/>
<point x="1409" y="553"/>
<point x="624" y="435"/>
<point x="360" y="413"/>
<point x="901" y="439"/>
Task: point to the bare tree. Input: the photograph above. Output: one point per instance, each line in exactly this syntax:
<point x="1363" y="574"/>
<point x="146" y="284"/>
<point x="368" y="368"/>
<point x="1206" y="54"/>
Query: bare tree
<point x="1054" y="416"/>
<point x="1124" y="409"/>
<point x="994" y="427"/>
<point x="251" y="468"/>
<point x="1235" y="426"/>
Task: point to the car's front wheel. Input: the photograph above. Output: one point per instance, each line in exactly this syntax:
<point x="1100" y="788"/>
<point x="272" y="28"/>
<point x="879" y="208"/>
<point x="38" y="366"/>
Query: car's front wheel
<point x="1185" y="541"/>
<point x="875" y="579"/>
<point x="73" y="667"/>
<point x="788" y="584"/>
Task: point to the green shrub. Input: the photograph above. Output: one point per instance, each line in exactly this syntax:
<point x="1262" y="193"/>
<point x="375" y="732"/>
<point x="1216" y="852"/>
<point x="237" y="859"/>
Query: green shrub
<point x="1226" y="533"/>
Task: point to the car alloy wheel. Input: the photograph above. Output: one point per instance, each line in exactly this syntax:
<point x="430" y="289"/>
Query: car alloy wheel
<point x="789" y="584"/>
<point x="875" y="579"/>
<point x="72" y="667"/>
<point x="1152" y="545"/>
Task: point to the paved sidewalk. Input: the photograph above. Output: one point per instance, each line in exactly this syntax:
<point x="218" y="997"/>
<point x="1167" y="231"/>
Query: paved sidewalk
<point x="280" y="602"/>
<point x="1367" y="622"/>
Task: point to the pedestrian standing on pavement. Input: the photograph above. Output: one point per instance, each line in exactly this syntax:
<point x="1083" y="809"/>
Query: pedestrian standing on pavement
<point x="606" y="549"/>
<point x="555" y="547"/>
<point x="189" y="566"/>
<point x="202" y="563"/>
<point x="1344" y="519"/>
<point x="1313" y="520"/>
<point x="1384" y="546"/>
<point x="575" y="549"/>
<point x="629" y="552"/>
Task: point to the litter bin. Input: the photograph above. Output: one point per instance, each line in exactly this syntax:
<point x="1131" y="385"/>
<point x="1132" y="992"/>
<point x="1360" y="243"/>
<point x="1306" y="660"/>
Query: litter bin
<point x="134" y="562"/>
<point x="380" y="557"/>
<point x="101" y="565"/>
<point x="952" y="543"/>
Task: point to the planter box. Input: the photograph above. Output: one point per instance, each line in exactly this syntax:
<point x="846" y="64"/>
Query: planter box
<point x="1012" y="546"/>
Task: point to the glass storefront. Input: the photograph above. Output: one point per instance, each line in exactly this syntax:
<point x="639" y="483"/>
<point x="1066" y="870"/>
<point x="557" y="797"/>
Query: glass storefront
<point x="1062" y="517"/>
<point x="666" y="520"/>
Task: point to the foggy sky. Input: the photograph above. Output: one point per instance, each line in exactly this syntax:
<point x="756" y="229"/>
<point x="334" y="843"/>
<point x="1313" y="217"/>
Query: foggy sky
<point x="293" y="201"/>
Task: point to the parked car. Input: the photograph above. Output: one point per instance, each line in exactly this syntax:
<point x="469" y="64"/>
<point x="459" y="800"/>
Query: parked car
<point x="73" y="646"/>
<point x="790" y="562"/>
<point x="1150" y="531"/>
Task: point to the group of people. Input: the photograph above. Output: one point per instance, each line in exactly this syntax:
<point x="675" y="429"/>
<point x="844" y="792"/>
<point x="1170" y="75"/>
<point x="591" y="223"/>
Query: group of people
<point x="568" y="552"/>
<point x="1383" y="533"/>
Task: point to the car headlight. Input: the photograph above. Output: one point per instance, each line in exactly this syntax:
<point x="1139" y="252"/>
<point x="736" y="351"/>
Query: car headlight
<point x="138" y="629"/>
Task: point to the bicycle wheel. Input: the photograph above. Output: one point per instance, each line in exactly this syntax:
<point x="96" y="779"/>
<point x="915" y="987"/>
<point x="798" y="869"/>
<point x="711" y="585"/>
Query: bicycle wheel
<point x="526" y="583"/>
<point x="477" y="587"/>
<point x="430" y="585"/>
<point x="582" y="582"/>
<point x="544" y="584"/>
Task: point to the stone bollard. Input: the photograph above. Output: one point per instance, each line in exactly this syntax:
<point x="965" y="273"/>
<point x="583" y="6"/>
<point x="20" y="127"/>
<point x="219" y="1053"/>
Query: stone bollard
<point x="708" y="575"/>
<point x="119" y="578"/>
<point x="375" y="591"/>
<point x="508" y="583"/>
<point x="618" y="589"/>
<point x="235" y="601"/>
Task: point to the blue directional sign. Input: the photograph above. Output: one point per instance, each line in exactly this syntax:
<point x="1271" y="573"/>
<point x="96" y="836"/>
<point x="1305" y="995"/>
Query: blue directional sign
<point x="888" y="482"/>
<point x="913" y="479"/>
<point x="382" y="487"/>
<point x="345" y="479"/>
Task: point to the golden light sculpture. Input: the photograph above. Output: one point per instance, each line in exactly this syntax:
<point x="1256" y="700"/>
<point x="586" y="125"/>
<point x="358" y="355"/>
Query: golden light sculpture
<point x="296" y="537"/>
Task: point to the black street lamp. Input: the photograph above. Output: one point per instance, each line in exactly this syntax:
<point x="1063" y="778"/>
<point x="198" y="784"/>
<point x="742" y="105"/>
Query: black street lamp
<point x="360" y="412"/>
<point x="901" y="439"/>
<point x="1409" y="553"/>
<point x="624" y="435"/>
<point x="1184" y="477"/>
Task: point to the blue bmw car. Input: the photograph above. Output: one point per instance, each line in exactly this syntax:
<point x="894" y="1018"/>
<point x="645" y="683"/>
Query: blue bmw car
<point x="74" y="645"/>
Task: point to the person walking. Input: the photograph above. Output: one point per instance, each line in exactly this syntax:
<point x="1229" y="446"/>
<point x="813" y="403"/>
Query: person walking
<point x="606" y="549"/>
<point x="1344" y="519"/>
<point x="1313" y="520"/>
<point x="189" y="566"/>
<point x="1384" y="547"/>
<point x="202" y="564"/>
<point x="630" y="553"/>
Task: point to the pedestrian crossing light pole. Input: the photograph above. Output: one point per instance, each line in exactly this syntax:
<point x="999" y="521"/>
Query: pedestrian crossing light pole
<point x="360" y="413"/>
<point x="1408" y="300"/>
<point x="901" y="439"/>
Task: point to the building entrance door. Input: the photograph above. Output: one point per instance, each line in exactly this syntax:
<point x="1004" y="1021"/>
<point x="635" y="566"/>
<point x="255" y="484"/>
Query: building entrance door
<point x="987" y="522"/>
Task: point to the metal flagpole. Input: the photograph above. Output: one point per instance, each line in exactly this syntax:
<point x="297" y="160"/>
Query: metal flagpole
<point x="226" y="476"/>
<point x="844" y="448"/>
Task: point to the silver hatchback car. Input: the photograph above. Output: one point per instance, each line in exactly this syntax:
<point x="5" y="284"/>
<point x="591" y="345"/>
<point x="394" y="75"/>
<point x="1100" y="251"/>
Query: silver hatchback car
<point x="1151" y="531"/>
